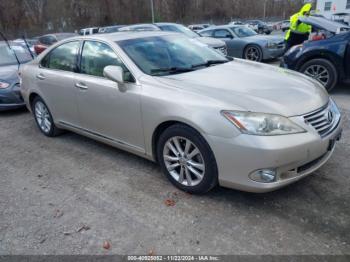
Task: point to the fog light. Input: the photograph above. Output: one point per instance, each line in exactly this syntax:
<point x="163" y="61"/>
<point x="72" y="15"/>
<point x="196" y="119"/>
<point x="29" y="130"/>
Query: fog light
<point x="264" y="176"/>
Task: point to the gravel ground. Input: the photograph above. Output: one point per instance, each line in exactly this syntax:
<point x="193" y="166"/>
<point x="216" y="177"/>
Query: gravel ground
<point x="70" y="194"/>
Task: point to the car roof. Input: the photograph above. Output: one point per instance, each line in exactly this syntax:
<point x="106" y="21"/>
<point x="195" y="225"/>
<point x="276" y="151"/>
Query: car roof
<point x="165" y="23"/>
<point x="120" y="36"/>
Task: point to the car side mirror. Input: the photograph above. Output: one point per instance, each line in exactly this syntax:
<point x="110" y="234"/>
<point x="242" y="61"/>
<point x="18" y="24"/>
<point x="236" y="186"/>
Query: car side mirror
<point x="114" y="73"/>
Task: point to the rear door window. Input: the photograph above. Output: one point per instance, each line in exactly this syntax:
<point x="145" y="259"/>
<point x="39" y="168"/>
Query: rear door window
<point x="63" y="57"/>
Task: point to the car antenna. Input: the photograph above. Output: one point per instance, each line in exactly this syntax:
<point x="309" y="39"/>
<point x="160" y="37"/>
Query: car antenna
<point x="25" y="41"/>
<point x="14" y="53"/>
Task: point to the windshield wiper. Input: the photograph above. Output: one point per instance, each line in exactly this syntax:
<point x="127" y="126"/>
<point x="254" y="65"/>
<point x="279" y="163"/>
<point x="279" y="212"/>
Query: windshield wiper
<point x="171" y="70"/>
<point x="210" y="63"/>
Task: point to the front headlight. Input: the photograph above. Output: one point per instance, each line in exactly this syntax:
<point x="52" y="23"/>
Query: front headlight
<point x="272" y="45"/>
<point x="294" y="48"/>
<point x="4" y="85"/>
<point x="262" y="124"/>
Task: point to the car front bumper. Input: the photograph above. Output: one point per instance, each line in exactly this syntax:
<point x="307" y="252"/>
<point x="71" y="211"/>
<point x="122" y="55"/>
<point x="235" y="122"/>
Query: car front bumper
<point x="291" y="156"/>
<point x="10" y="98"/>
<point x="273" y="53"/>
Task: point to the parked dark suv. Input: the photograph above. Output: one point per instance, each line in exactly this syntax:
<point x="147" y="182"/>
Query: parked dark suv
<point x="260" y="26"/>
<point x="325" y="56"/>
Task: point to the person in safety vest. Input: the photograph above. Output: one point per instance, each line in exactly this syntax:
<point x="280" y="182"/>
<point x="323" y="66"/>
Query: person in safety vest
<point x="298" y="32"/>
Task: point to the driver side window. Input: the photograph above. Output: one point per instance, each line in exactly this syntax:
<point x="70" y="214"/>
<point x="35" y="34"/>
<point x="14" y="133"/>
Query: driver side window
<point x="222" y="33"/>
<point x="96" y="56"/>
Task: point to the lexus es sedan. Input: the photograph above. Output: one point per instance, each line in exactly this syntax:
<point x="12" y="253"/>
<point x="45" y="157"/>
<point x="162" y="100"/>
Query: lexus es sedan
<point x="244" y="42"/>
<point x="205" y="119"/>
<point x="325" y="57"/>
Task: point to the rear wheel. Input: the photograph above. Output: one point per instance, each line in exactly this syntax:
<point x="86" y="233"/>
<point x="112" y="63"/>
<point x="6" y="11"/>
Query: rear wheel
<point x="43" y="118"/>
<point x="253" y="53"/>
<point x="322" y="70"/>
<point x="187" y="160"/>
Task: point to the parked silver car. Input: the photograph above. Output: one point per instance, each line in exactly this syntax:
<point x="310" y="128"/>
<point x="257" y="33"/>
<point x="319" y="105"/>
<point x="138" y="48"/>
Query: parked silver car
<point x="244" y="42"/>
<point x="178" y="28"/>
<point x="209" y="41"/>
<point x="168" y="98"/>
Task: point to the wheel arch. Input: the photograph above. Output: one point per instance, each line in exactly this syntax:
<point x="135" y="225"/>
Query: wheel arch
<point x="161" y="128"/>
<point x="32" y="96"/>
<point x="321" y="55"/>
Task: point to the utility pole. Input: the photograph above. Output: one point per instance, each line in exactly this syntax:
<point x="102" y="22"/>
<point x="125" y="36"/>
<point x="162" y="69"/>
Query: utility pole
<point x="265" y="3"/>
<point x="152" y="9"/>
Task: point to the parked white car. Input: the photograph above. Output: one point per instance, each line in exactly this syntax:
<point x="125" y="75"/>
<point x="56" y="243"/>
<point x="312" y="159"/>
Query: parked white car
<point x="88" y="31"/>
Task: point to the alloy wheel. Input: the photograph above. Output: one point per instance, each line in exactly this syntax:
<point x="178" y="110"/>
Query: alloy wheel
<point x="252" y="53"/>
<point x="184" y="161"/>
<point x="318" y="72"/>
<point x="42" y="116"/>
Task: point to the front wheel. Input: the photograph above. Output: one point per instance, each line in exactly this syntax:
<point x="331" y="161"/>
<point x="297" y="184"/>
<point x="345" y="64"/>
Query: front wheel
<point x="187" y="160"/>
<point x="253" y="53"/>
<point x="323" y="71"/>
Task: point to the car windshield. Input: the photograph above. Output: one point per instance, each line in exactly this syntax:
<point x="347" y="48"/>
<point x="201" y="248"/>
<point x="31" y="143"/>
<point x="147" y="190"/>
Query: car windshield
<point x="165" y="55"/>
<point x="7" y="56"/>
<point x="243" y="31"/>
<point x="179" y="29"/>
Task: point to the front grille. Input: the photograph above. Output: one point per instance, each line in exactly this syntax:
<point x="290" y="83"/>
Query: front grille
<point x="324" y="120"/>
<point x="223" y="50"/>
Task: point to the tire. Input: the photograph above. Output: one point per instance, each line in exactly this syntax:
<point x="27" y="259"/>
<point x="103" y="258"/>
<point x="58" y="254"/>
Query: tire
<point x="268" y="32"/>
<point x="322" y="64"/>
<point x="43" y="118"/>
<point x="249" y="56"/>
<point x="173" y="165"/>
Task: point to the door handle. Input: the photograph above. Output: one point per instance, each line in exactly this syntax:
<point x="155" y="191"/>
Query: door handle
<point x="81" y="86"/>
<point x="40" y="76"/>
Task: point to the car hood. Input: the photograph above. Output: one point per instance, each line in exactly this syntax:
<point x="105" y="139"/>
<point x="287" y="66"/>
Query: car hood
<point x="264" y="38"/>
<point x="212" y="42"/>
<point x="249" y="86"/>
<point x="325" y="24"/>
<point x="9" y="73"/>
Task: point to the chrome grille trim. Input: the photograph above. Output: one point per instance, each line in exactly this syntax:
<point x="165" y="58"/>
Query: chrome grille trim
<point x="320" y="119"/>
